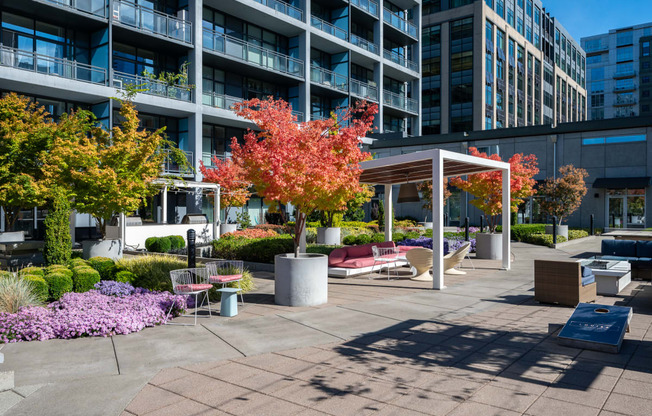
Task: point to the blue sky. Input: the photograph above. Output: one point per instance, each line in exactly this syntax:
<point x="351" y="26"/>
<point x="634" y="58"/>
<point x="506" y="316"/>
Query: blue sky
<point x="591" y="17"/>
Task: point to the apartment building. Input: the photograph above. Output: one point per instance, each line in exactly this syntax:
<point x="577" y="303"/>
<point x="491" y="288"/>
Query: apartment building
<point x="491" y="64"/>
<point x="316" y="54"/>
<point x="618" y="72"/>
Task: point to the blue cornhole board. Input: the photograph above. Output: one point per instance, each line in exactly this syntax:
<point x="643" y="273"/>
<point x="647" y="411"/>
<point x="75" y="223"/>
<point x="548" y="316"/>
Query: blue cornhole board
<point x="596" y="327"/>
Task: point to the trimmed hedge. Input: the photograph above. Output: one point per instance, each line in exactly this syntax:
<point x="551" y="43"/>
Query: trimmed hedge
<point x="177" y="242"/>
<point x="573" y="234"/>
<point x="105" y="267"/>
<point x="39" y="285"/>
<point x="519" y="232"/>
<point x="158" y="244"/>
<point x="76" y="263"/>
<point x="58" y="284"/>
<point x="542" y="239"/>
<point x="321" y="249"/>
<point x="125" y="276"/>
<point x="36" y="271"/>
<point x="57" y="268"/>
<point x="84" y="278"/>
<point x="261" y="250"/>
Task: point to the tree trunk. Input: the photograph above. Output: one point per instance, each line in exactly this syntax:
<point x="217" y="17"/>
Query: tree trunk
<point x="300" y="222"/>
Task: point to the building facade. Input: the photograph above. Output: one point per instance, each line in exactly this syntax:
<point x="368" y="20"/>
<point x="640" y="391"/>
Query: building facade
<point x="491" y="64"/>
<point x="618" y="72"/>
<point x="316" y="54"/>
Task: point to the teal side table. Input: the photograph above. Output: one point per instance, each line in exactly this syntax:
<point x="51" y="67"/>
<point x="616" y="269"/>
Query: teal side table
<point x="229" y="302"/>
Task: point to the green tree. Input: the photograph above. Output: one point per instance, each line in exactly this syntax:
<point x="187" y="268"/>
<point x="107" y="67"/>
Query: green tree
<point x="58" y="244"/>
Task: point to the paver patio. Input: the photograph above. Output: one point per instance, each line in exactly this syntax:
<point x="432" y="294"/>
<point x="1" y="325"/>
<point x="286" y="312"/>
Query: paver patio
<point x="480" y="347"/>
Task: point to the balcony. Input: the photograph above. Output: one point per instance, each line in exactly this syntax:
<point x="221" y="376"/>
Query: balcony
<point x="152" y="87"/>
<point x="298" y="115"/>
<point x="95" y="7"/>
<point x="628" y="100"/>
<point x="329" y="79"/>
<point x="284" y="8"/>
<point x="364" y="90"/>
<point x="625" y="88"/>
<point x="149" y="20"/>
<point x="368" y="6"/>
<point x="624" y="74"/>
<point x="43" y="64"/>
<point x="220" y="100"/>
<point x="329" y="28"/>
<point x="400" y="60"/>
<point x="172" y="166"/>
<point x="400" y="102"/>
<point x="624" y="112"/>
<point x="252" y="54"/>
<point x="364" y="44"/>
<point x="207" y="158"/>
<point x="399" y="23"/>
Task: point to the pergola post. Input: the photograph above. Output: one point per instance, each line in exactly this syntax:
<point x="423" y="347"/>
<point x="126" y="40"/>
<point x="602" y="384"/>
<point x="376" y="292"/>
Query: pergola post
<point x="123" y="231"/>
<point x="389" y="212"/>
<point x="437" y="222"/>
<point x="506" y="218"/>
<point x="216" y="212"/>
<point x="164" y="205"/>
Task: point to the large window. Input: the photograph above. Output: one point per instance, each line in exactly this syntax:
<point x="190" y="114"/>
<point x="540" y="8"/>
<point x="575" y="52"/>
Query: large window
<point x="624" y="54"/>
<point x="615" y="139"/>
<point x="461" y="75"/>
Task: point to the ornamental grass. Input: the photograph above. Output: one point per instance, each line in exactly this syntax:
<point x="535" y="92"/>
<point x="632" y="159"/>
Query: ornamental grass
<point x="16" y="293"/>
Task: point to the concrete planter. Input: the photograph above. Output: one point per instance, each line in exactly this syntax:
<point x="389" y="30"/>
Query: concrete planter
<point x="328" y="235"/>
<point x="228" y="228"/>
<point x="489" y="246"/>
<point x="111" y="248"/>
<point x="562" y="230"/>
<point x="301" y="281"/>
<point x="426" y="225"/>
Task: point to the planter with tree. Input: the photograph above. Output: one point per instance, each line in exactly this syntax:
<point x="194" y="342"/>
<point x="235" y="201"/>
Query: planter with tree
<point x="487" y="190"/>
<point x="305" y="165"/>
<point x="563" y="196"/>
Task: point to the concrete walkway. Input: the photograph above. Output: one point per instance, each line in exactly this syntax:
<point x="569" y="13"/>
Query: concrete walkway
<point x="481" y="346"/>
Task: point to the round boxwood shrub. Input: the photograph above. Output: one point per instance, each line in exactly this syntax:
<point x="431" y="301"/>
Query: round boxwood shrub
<point x="378" y="238"/>
<point x="105" y="267"/>
<point x="177" y="242"/>
<point x="350" y="240"/>
<point x="77" y="262"/>
<point x="158" y="244"/>
<point x="58" y="284"/>
<point x="84" y="278"/>
<point x="125" y="276"/>
<point x="57" y="268"/>
<point x="39" y="285"/>
<point x="363" y="239"/>
<point x="37" y="271"/>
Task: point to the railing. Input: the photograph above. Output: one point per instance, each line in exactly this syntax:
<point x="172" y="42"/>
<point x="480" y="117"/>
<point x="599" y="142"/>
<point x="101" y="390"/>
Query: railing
<point x="43" y="64"/>
<point x="253" y="54"/>
<point x="624" y="113"/>
<point x="299" y="116"/>
<point x="152" y="87"/>
<point x="400" y="102"/>
<point x="364" y="44"/>
<point x="284" y="8"/>
<point x="625" y="88"/>
<point x="400" y="60"/>
<point x="629" y="100"/>
<point x="207" y="158"/>
<point x="329" y="28"/>
<point x="328" y="78"/>
<point x="364" y="90"/>
<point x="625" y="74"/>
<point x="220" y="100"/>
<point x="150" y="20"/>
<point x="399" y="23"/>
<point x="94" y="7"/>
<point x="171" y="166"/>
<point x="368" y="6"/>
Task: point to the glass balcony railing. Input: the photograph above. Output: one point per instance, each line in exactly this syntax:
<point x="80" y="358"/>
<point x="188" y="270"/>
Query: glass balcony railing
<point x="329" y="79"/>
<point x="207" y="158"/>
<point x="299" y="116"/>
<point x="628" y="100"/>
<point x="329" y="28"/>
<point x="253" y="54"/>
<point x="400" y="60"/>
<point x="220" y="100"/>
<point x="94" y="7"/>
<point x="149" y="20"/>
<point x="624" y="74"/>
<point x="400" y="102"/>
<point x="626" y="87"/>
<point x="368" y="6"/>
<point x="284" y="8"/>
<point x="364" y="90"/>
<point x="152" y="87"/>
<point x="364" y="44"/>
<point x="43" y="64"/>
<point x="399" y="23"/>
<point x="172" y="166"/>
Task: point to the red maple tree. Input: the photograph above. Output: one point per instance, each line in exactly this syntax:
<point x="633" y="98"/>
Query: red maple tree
<point x="234" y="188"/>
<point x="312" y="165"/>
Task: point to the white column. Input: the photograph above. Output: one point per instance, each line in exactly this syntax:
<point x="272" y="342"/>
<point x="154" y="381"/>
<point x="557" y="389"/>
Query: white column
<point x="164" y="205"/>
<point x="216" y="212"/>
<point x="438" y="222"/>
<point x="389" y="212"/>
<point x="123" y="231"/>
<point x="506" y="218"/>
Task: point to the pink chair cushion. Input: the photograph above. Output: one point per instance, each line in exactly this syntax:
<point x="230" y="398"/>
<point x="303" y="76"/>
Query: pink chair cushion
<point x="192" y="288"/>
<point x="358" y="251"/>
<point x="357" y="263"/>
<point x="225" y="278"/>
<point x="404" y="249"/>
<point x="337" y="256"/>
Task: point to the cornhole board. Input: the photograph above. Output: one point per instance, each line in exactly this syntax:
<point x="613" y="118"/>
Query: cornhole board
<point x="596" y="327"/>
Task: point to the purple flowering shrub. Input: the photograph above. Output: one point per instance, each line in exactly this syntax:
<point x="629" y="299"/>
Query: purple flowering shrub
<point x="450" y="244"/>
<point x="90" y="314"/>
<point x="113" y="288"/>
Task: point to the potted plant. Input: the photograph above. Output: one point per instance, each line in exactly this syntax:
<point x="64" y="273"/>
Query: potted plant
<point x="234" y="189"/>
<point x="302" y="164"/>
<point x="487" y="190"/>
<point x="563" y="196"/>
<point x="105" y="173"/>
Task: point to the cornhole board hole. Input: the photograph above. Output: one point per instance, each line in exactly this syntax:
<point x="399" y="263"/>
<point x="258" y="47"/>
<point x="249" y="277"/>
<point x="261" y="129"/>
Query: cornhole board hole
<point x="596" y="327"/>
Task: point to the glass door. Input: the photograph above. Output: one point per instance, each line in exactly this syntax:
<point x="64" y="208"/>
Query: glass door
<point x="625" y="208"/>
<point x="615" y="211"/>
<point x="635" y="208"/>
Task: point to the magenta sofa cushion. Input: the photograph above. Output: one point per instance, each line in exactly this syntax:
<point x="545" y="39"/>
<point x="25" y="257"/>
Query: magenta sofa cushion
<point x="354" y="257"/>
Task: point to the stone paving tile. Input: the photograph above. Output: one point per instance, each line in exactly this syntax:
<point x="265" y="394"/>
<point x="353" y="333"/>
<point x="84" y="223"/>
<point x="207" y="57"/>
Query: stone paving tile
<point x="152" y="398"/>
<point x="584" y="396"/>
<point x="472" y="408"/>
<point x="8" y="399"/>
<point x="390" y="410"/>
<point x="170" y="374"/>
<point x="585" y="380"/>
<point x="188" y="408"/>
<point x="205" y="390"/>
<point x="343" y="405"/>
<point x="636" y="388"/>
<point x="509" y="399"/>
<point x="254" y="403"/>
<point x="427" y="402"/>
<point x="545" y="406"/>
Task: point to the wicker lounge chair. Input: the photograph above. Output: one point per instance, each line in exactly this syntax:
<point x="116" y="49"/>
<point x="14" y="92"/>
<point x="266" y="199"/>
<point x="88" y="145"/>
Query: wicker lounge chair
<point x="562" y="282"/>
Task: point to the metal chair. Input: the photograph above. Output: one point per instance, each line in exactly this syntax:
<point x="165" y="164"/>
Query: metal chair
<point x="226" y="271"/>
<point x="189" y="282"/>
<point x="384" y="255"/>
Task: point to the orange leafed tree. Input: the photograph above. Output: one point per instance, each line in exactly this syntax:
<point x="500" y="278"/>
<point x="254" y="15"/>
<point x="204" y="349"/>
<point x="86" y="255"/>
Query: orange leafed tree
<point x="234" y="188"/>
<point x="312" y="165"/>
<point x="487" y="187"/>
<point x="564" y="194"/>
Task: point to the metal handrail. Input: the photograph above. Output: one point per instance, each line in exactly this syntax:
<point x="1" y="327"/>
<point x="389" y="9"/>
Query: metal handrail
<point x="364" y="44"/>
<point x="207" y="158"/>
<point x="364" y="90"/>
<point x="284" y="8"/>
<point x="43" y="64"/>
<point x="368" y="6"/>
<point x="400" y="60"/>
<point x="220" y="100"/>
<point x="251" y="53"/>
<point x="399" y="23"/>
<point x="153" y="21"/>
<point x="94" y="7"/>
<point x="626" y="100"/>
<point x="329" y="78"/>
<point x="400" y="102"/>
<point x="329" y="28"/>
<point x="299" y="116"/>
<point x="171" y="166"/>
<point x="152" y="87"/>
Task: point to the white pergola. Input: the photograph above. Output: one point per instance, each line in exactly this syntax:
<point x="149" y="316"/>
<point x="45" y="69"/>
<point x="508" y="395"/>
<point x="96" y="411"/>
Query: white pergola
<point x="435" y="164"/>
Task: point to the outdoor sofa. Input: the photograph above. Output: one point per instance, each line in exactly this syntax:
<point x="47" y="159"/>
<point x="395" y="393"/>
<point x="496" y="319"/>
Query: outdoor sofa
<point x="354" y="260"/>
<point x="637" y="252"/>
